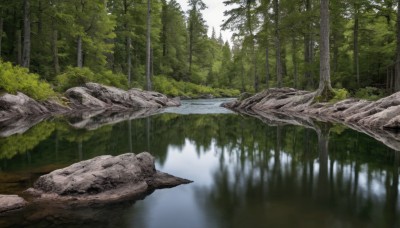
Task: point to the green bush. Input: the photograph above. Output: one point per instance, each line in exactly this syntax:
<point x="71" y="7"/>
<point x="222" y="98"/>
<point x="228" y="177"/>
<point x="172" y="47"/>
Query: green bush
<point x="370" y="93"/>
<point x="340" y="94"/>
<point x="171" y="87"/>
<point x="17" y="79"/>
<point x="111" y="79"/>
<point x="75" y="76"/>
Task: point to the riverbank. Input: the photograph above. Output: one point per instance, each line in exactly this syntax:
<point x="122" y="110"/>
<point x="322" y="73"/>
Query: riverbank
<point x="88" y="97"/>
<point x="379" y="119"/>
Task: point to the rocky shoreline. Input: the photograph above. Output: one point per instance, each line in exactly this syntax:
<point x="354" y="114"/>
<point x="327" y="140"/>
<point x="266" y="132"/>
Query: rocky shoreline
<point x="379" y="119"/>
<point x="80" y="105"/>
<point x="89" y="97"/>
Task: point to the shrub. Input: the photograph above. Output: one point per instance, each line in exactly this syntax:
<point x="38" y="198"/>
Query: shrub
<point x="370" y="93"/>
<point x="17" y="79"/>
<point x="340" y="94"/>
<point x="174" y="88"/>
<point x="75" y="76"/>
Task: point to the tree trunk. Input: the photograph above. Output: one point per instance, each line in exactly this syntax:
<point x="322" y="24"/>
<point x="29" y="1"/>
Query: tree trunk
<point x="308" y="49"/>
<point x="40" y="18"/>
<point x="397" y="71"/>
<point x="294" y="59"/>
<point x="323" y="149"/>
<point x="148" y="48"/>
<point x="190" y="48"/>
<point x="79" y="58"/>
<point x="26" y="54"/>
<point x="1" y="32"/>
<point x="242" y="76"/>
<point x="255" y="69"/>
<point x="325" y="87"/>
<point x="277" y="45"/>
<point x="266" y="67"/>
<point x="129" y="59"/>
<point x="356" y="49"/>
<point x="55" y="52"/>
<point x="19" y="47"/>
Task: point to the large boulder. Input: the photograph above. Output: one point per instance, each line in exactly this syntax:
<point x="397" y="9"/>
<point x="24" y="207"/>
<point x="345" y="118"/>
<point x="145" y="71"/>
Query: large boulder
<point x="18" y="105"/>
<point x="97" y="96"/>
<point x="10" y="203"/>
<point x="105" y="178"/>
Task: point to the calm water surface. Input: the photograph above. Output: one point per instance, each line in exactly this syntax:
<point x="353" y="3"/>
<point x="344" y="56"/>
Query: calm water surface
<point x="245" y="173"/>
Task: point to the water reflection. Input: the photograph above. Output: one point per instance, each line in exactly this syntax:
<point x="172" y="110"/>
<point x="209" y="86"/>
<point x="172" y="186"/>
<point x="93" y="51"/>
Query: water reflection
<point x="246" y="173"/>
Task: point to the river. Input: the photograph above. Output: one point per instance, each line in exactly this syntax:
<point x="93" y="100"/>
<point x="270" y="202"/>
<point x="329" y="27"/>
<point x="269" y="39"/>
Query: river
<point x="246" y="173"/>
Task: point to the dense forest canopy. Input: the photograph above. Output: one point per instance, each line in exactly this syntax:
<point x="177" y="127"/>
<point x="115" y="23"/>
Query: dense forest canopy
<point x="276" y="43"/>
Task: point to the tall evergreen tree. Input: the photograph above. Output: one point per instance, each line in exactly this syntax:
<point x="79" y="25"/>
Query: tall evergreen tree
<point x="325" y="87"/>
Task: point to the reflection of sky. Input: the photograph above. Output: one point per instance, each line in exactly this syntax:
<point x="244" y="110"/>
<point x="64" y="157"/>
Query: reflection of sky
<point x="188" y="164"/>
<point x="179" y="207"/>
<point x="182" y="207"/>
<point x="200" y="106"/>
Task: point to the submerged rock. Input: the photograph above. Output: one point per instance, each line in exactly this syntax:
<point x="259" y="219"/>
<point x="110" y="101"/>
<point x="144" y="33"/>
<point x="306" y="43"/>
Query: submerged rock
<point x="10" y="203"/>
<point x="104" y="178"/>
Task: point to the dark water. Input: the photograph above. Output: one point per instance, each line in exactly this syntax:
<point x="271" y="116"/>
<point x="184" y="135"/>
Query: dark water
<point x="245" y="173"/>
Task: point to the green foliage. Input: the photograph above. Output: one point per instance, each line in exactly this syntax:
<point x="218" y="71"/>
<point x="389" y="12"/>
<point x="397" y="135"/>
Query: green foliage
<point x="175" y="88"/>
<point x="75" y="76"/>
<point x="17" y="144"/>
<point x="370" y="93"/>
<point x="340" y="94"/>
<point x="17" y="79"/>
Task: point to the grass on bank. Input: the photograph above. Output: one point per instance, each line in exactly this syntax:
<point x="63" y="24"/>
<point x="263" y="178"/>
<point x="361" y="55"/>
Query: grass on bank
<point x="173" y="88"/>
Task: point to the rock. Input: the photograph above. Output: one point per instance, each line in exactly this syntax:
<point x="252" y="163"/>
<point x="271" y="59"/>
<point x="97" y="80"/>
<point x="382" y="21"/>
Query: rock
<point x="379" y="114"/>
<point x="10" y="203"/>
<point x="13" y="106"/>
<point x="244" y="95"/>
<point x="97" y="96"/>
<point x="372" y="118"/>
<point x="17" y="112"/>
<point x="80" y="97"/>
<point x="104" y="178"/>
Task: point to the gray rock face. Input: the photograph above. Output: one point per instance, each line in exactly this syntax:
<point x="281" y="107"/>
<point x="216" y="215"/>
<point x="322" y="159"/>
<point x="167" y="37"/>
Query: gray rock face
<point x="96" y="96"/>
<point x="379" y="114"/>
<point x="17" y="112"/>
<point x="19" y="105"/>
<point x="298" y="107"/>
<point x="104" y="178"/>
<point x="11" y="202"/>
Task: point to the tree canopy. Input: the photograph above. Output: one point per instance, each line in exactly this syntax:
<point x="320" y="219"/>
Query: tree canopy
<point x="276" y="43"/>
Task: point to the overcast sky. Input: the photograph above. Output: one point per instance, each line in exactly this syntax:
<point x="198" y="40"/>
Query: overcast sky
<point x="213" y="15"/>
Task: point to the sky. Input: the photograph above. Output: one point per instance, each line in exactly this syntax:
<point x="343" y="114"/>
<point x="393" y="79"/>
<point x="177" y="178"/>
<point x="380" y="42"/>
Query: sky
<point x="213" y="15"/>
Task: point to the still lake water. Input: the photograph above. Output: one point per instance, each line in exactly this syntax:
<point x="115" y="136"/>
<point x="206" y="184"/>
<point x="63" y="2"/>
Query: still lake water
<point x="245" y="173"/>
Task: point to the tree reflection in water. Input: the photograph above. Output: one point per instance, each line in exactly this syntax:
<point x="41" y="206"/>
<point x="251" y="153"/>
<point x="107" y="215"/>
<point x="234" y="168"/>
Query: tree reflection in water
<point x="267" y="174"/>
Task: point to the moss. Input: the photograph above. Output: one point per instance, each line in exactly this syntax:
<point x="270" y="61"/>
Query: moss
<point x="332" y="95"/>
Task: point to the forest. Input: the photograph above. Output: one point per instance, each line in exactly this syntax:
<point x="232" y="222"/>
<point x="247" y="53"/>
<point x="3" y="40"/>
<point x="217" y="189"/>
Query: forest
<point x="48" y="46"/>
